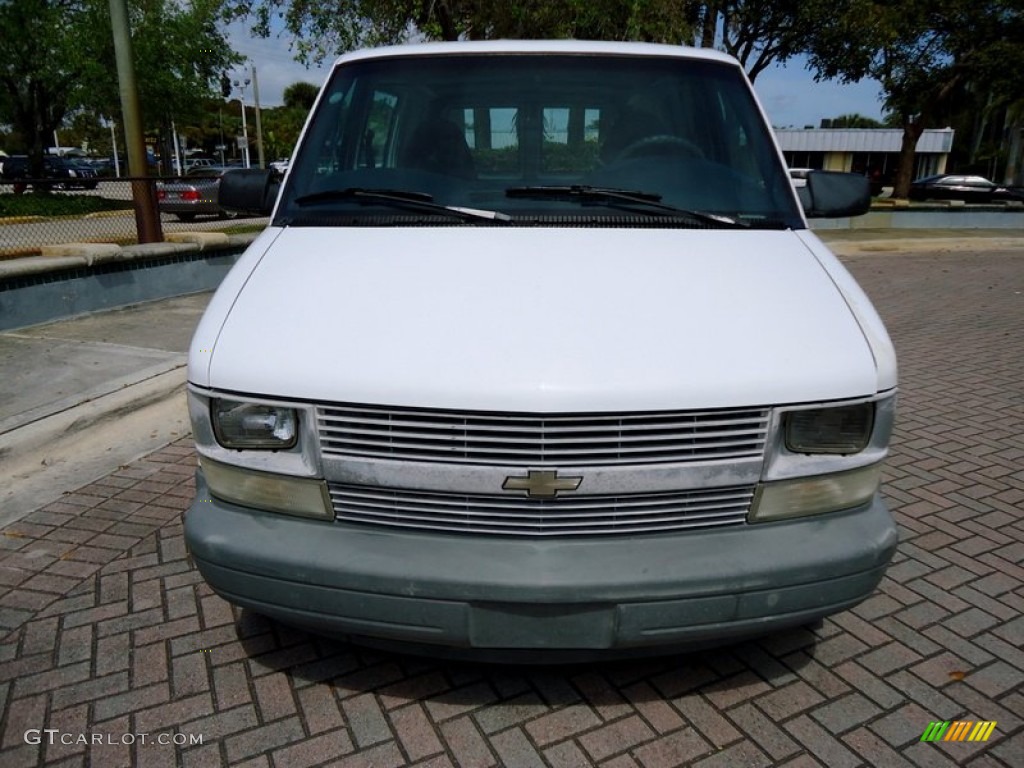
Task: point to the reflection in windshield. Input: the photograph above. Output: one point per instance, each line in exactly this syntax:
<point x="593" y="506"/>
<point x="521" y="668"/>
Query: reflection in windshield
<point x="632" y="197"/>
<point x="462" y="130"/>
<point x="399" y="198"/>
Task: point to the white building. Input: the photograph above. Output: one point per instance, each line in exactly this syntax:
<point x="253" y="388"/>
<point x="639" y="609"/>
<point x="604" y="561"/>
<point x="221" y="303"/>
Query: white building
<point x="871" y="151"/>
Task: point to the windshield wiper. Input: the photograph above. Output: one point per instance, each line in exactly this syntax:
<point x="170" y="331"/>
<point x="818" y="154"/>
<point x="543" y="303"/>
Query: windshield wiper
<point x="400" y="198"/>
<point x="584" y="192"/>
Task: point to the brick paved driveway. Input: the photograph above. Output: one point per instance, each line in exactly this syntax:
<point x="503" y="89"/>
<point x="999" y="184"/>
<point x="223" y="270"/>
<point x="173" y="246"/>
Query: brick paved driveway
<point x="110" y="633"/>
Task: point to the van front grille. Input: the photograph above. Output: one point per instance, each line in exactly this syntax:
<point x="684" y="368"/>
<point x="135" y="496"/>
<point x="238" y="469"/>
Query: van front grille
<point x="521" y="516"/>
<point x="524" y="439"/>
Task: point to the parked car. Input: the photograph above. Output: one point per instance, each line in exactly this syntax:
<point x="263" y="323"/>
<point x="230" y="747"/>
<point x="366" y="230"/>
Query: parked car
<point x="196" y="194"/>
<point x="580" y="379"/>
<point x="104" y="166"/>
<point x="83" y="168"/>
<point x="58" y="172"/>
<point x="1009" y="194"/>
<point x="970" y="189"/>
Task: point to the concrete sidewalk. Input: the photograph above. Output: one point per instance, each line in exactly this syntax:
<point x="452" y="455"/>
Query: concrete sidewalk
<point x="81" y="397"/>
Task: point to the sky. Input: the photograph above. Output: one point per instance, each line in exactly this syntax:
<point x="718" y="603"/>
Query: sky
<point x="793" y="99"/>
<point x="789" y="94"/>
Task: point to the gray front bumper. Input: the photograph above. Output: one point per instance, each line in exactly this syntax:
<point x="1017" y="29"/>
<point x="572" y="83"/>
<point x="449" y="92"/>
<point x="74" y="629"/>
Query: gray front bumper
<point x="600" y="593"/>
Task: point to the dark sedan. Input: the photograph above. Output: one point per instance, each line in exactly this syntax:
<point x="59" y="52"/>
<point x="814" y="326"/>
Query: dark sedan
<point x="195" y="194"/>
<point x="970" y="189"/>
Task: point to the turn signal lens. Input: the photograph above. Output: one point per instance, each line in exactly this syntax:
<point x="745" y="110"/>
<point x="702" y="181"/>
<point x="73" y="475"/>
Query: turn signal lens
<point x="302" y="496"/>
<point x="815" y="495"/>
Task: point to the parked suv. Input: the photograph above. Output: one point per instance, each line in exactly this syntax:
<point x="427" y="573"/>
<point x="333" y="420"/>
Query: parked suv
<point x="538" y="355"/>
<point x="58" y="172"/>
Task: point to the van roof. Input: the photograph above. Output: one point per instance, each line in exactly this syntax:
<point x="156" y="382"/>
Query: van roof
<point x="606" y="48"/>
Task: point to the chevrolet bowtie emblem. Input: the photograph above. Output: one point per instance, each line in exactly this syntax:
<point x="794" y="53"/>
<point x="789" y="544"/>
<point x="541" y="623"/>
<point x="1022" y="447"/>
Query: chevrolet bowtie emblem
<point x="542" y="483"/>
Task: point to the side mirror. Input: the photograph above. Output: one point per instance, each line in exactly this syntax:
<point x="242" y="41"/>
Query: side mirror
<point x="249" y="190"/>
<point x="832" y="195"/>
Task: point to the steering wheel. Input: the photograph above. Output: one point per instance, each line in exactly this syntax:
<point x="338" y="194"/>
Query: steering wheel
<point x="660" y="143"/>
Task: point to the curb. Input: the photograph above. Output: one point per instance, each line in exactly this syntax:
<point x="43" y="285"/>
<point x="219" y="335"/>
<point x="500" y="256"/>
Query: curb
<point x="911" y="245"/>
<point x="73" y="447"/>
<point x="107" y="214"/>
<point x="202" y="239"/>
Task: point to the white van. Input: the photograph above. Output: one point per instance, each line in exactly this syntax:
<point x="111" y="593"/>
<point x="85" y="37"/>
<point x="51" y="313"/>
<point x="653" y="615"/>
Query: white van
<point x="539" y="355"/>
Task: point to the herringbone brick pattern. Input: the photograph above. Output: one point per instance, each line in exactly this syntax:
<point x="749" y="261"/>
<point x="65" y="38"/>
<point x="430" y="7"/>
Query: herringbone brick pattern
<point x="111" y="635"/>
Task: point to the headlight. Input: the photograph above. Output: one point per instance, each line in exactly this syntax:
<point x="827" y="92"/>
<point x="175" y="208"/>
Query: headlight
<point x="845" y="430"/>
<point x="253" y="425"/>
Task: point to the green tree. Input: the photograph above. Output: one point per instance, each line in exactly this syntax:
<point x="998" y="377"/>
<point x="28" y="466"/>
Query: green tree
<point x="300" y="96"/>
<point x="281" y="128"/>
<point x="180" y="53"/>
<point x="84" y="129"/>
<point x="61" y="60"/>
<point x="322" y="29"/>
<point x="852" y="120"/>
<point x="47" y="50"/>
<point x="757" y="32"/>
<point x="926" y="54"/>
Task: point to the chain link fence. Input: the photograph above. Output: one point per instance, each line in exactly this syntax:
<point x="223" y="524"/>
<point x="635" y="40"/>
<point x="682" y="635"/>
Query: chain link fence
<point x="41" y="212"/>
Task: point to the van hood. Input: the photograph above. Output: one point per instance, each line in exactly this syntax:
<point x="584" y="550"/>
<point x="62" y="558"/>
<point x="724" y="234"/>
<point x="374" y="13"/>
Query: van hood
<point x="538" y="320"/>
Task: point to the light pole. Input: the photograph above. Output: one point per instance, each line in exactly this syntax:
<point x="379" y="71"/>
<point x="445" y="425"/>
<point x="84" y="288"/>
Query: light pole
<point x="113" y="147"/>
<point x="241" y="85"/>
<point x="220" y="123"/>
<point x="259" y="125"/>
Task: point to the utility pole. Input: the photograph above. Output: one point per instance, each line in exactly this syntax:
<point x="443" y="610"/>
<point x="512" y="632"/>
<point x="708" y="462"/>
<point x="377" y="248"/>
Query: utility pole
<point x="259" y="125"/>
<point x="147" y="221"/>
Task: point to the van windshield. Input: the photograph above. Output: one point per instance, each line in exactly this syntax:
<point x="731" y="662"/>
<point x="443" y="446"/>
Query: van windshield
<point x="532" y="139"/>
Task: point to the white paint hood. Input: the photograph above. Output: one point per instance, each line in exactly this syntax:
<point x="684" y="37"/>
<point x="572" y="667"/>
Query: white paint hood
<point x="537" y="320"/>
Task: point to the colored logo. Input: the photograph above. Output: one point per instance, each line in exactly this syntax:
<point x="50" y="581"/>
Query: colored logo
<point x="959" y="730"/>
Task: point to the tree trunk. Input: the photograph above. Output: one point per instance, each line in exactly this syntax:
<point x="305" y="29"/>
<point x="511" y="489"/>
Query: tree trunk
<point x="445" y="19"/>
<point x="577" y="127"/>
<point x="166" y="142"/>
<point x="709" y="25"/>
<point x="912" y="131"/>
<point x="1015" y="132"/>
<point x="980" y="128"/>
<point x="482" y="128"/>
<point x="31" y="123"/>
<point x="36" y="148"/>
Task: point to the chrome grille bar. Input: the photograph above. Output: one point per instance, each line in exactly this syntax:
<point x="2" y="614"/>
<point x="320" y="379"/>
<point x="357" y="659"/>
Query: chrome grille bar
<point x="521" y="516"/>
<point x="528" y="439"/>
